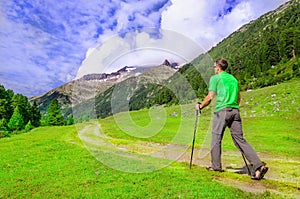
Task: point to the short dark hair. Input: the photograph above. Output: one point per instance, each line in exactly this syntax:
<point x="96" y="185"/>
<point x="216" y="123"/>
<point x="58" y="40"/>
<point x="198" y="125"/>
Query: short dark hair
<point x="222" y="63"/>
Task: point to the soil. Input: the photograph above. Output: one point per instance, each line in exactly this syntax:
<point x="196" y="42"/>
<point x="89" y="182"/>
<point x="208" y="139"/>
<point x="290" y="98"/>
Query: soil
<point x="282" y="178"/>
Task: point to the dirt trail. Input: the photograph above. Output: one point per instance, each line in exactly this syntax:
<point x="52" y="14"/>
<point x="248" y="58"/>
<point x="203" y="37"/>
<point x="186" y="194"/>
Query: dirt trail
<point x="233" y="162"/>
<point x="282" y="178"/>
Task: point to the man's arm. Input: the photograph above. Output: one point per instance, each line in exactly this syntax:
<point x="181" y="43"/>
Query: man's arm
<point x="206" y="100"/>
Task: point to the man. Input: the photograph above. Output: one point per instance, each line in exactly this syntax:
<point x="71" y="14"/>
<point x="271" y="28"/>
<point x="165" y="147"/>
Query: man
<point x="225" y="88"/>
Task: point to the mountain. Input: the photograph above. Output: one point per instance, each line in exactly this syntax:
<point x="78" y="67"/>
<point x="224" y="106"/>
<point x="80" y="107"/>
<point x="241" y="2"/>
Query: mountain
<point x="129" y="94"/>
<point x="80" y="90"/>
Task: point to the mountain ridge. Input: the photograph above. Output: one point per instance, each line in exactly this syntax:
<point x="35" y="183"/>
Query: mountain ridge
<point x="78" y="90"/>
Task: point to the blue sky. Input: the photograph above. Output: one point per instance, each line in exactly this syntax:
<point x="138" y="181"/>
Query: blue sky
<point x="46" y="43"/>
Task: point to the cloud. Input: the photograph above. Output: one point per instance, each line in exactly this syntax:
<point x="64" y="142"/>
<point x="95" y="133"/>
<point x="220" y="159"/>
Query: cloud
<point x="41" y="48"/>
<point x="44" y="43"/>
<point x="139" y="49"/>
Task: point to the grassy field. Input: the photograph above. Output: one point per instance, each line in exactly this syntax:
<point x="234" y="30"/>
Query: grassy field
<point x="145" y="154"/>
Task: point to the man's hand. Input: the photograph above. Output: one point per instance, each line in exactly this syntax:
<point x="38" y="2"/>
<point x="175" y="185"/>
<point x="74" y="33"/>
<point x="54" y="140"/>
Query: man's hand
<point x="198" y="106"/>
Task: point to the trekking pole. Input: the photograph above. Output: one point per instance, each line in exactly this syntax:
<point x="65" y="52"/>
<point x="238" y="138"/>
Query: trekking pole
<point x="242" y="152"/>
<point x="195" y="129"/>
<point x="249" y="173"/>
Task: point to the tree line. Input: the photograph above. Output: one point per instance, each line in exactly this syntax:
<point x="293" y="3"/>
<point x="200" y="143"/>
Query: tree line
<point x="18" y="115"/>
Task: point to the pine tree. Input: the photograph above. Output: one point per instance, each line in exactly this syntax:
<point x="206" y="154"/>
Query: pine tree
<point x="54" y="116"/>
<point x="16" y="121"/>
<point x="3" y="102"/>
<point x="6" y="109"/>
<point x="35" y="115"/>
<point x="43" y="120"/>
<point x="28" y="126"/>
<point x="3" y="108"/>
<point x="3" y="124"/>
<point x="4" y="132"/>
<point x="24" y="106"/>
<point x="70" y="120"/>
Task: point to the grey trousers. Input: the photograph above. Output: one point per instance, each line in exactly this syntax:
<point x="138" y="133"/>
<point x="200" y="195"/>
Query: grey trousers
<point x="230" y="118"/>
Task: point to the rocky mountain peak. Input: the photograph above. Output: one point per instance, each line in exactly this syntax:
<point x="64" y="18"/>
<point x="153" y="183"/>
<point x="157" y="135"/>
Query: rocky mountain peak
<point x="172" y="65"/>
<point x="166" y="63"/>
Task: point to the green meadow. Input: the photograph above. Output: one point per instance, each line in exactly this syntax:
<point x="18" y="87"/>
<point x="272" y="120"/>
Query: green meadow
<point x="146" y="153"/>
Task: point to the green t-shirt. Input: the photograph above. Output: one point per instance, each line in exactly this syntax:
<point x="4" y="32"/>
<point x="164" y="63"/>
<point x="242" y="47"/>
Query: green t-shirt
<point x="226" y="89"/>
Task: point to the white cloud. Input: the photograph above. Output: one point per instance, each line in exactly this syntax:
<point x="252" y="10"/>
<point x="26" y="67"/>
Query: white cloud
<point x="54" y="36"/>
<point x="139" y="49"/>
<point x="192" y="18"/>
<point x="43" y="43"/>
<point x="41" y="48"/>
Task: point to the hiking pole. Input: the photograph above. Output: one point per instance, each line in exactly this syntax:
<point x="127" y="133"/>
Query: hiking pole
<point x="249" y="173"/>
<point x="195" y="129"/>
<point x="242" y="152"/>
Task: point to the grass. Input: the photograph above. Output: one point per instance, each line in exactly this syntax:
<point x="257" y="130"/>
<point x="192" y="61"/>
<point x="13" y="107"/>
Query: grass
<point x="53" y="162"/>
<point x="267" y="126"/>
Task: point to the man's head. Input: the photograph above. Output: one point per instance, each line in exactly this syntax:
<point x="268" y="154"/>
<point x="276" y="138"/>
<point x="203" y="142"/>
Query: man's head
<point x="221" y="64"/>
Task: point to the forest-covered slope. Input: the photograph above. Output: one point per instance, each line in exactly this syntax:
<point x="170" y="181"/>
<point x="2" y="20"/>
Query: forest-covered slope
<point x="265" y="51"/>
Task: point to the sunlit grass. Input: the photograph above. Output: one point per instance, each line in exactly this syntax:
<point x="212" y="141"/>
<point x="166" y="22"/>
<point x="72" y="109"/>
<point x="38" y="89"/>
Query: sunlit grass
<point x="52" y="162"/>
<point x="48" y="163"/>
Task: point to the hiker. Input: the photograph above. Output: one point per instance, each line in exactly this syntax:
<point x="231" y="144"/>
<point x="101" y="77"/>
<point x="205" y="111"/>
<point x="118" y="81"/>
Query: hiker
<point x="225" y="88"/>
